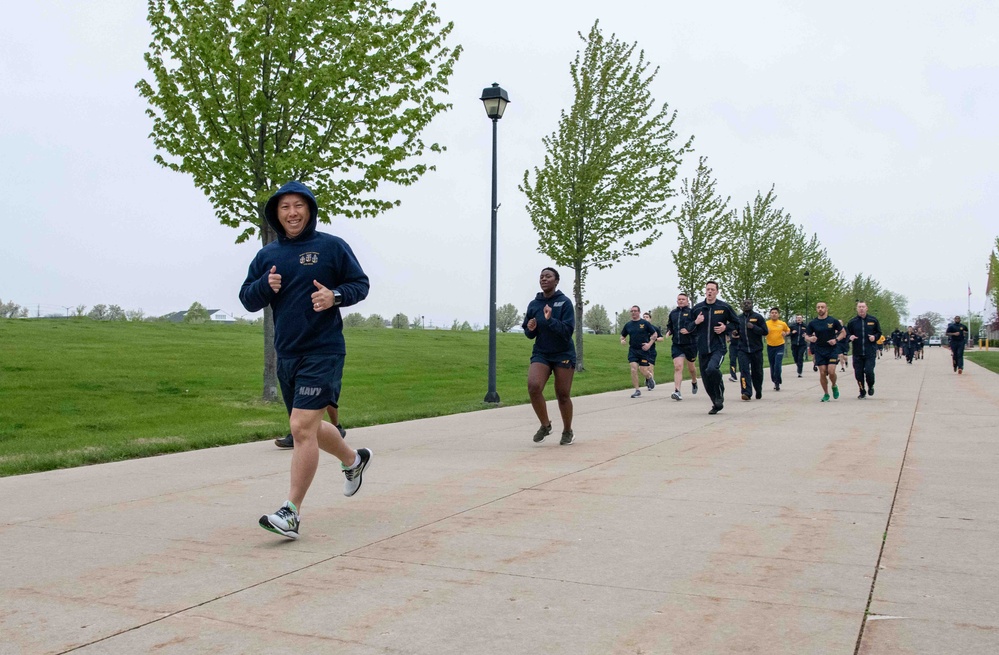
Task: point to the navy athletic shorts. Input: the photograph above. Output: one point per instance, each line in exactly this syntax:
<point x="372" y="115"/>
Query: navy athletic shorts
<point x="640" y="356"/>
<point x="566" y="362"/>
<point x="687" y="351"/>
<point x="311" y="382"/>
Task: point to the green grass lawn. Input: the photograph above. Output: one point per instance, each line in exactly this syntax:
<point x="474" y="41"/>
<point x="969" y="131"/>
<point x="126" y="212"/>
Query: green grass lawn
<point x="989" y="360"/>
<point x="78" y="392"/>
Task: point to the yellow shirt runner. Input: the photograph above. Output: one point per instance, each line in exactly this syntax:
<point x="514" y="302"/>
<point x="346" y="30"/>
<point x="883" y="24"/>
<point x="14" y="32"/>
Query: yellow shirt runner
<point x="775" y="337"/>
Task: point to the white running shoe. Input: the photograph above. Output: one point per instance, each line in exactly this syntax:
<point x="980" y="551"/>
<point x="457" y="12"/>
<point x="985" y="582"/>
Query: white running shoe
<point x="353" y="475"/>
<point x="285" y="521"/>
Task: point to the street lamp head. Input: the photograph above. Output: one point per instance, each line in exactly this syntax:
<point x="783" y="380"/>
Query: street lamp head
<point x="495" y="100"/>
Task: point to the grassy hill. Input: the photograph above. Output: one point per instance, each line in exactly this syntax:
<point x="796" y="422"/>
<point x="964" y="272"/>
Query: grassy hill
<point x="80" y="392"/>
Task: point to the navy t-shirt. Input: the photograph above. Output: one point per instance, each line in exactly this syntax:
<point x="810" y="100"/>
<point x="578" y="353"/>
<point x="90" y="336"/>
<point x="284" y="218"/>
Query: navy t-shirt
<point x="638" y="332"/>
<point x="825" y="329"/>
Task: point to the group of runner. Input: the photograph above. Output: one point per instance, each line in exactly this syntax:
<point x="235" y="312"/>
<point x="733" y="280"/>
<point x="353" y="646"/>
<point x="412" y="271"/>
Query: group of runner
<point x="702" y="333"/>
<point x="306" y="276"/>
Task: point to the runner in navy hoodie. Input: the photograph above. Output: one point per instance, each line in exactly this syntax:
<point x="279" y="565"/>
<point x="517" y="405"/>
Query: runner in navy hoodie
<point x="306" y="276"/>
<point x="550" y="321"/>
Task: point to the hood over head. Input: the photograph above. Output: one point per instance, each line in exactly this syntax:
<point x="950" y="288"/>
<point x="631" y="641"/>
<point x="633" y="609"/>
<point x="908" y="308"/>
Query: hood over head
<point x="270" y="209"/>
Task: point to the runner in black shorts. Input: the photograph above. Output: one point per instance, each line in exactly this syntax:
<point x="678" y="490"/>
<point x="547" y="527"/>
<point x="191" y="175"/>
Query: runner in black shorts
<point x="640" y="336"/>
<point x="306" y="276"/>
<point x="652" y="351"/>
<point x="684" y="347"/>
<point x="550" y="321"/>
<point x="825" y="333"/>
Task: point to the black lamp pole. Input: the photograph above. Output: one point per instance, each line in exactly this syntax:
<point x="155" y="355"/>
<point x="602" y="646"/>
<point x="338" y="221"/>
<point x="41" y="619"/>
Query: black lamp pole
<point x="495" y="100"/>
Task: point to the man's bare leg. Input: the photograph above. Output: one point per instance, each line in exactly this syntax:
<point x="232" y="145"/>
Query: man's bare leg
<point x="311" y="434"/>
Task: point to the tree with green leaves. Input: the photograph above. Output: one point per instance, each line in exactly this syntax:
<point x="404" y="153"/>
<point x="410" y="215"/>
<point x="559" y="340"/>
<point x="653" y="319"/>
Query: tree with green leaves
<point x="992" y="284"/>
<point x="507" y="317"/>
<point x="400" y="321"/>
<point x="660" y="316"/>
<point x="748" y="267"/>
<point x="621" y="319"/>
<point x="98" y="312"/>
<point x="596" y="319"/>
<point x="196" y="313"/>
<point x="11" y="309"/>
<point x="603" y="191"/>
<point x="354" y="320"/>
<point x="374" y="321"/>
<point x="702" y="224"/>
<point x="245" y="96"/>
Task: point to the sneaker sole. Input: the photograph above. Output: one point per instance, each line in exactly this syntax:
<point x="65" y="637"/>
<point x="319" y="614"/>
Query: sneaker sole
<point x="266" y="525"/>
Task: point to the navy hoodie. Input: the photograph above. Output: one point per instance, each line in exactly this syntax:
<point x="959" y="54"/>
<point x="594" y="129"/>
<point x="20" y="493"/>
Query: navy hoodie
<point x="299" y="330"/>
<point x="553" y="337"/>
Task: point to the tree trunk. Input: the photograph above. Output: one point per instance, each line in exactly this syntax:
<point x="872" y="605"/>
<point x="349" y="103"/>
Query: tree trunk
<point x="577" y="297"/>
<point x="270" y="356"/>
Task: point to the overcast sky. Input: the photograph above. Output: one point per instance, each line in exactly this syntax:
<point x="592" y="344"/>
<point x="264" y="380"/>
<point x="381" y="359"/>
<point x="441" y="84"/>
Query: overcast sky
<point x="877" y="122"/>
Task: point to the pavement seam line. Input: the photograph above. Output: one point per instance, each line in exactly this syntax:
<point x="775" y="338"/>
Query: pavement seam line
<point x="891" y="510"/>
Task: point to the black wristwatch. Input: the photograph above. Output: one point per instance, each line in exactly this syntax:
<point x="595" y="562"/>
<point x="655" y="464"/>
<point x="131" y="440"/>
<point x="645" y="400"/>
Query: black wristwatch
<point x="337" y="298"/>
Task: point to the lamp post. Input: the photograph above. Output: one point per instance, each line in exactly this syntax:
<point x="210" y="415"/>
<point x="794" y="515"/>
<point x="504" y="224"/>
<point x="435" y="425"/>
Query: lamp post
<point x="495" y="100"/>
<point x="806" y="295"/>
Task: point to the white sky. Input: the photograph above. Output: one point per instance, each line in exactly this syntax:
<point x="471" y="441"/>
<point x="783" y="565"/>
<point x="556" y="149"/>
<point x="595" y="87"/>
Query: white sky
<point x="878" y="123"/>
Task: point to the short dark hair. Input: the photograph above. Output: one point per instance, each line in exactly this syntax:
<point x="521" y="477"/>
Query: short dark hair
<point x="683" y="294"/>
<point x="711" y="282"/>
<point x="775" y="309"/>
<point x="554" y="272"/>
<point x="636" y="307"/>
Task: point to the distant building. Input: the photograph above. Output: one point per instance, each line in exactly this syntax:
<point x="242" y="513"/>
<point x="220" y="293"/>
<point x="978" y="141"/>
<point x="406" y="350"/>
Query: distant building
<point x="214" y="315"/>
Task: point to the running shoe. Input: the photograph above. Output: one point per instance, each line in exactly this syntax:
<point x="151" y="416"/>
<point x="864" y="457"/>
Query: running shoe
<point x="732" y="378"/>
<point x="636" y="394"/>
<point x="693" y="388"/>
<point x="863" y="394"/>
<point x="835" y="391"/>
<point x="759" y="395"/>
<point x="715" y="409"/>
<point x="284" y="522"/>
<point x="566" y="438"/>
<point x="960" y="371"/>
<point x="745" y="396"/>
<point x="650" y="383"/>
<point x="825" y="398"/>
<point x="353" y="475"/>
<point x="542" y="432"/>
<point x="799" y="375"/>
<point x="676" y="395"/>
<point x="870" y="391"/>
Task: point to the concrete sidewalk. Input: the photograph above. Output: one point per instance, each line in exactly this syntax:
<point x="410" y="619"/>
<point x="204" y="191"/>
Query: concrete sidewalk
<point x="661" y="530"/>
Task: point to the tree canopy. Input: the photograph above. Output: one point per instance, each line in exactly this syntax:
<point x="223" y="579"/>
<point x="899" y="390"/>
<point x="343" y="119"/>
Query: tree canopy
<point x="602" y="193"/>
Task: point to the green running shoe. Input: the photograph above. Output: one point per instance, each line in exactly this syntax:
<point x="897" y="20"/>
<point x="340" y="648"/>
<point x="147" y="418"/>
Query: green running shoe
<point x="825" y="398"/>
<point x="835" y="392"/>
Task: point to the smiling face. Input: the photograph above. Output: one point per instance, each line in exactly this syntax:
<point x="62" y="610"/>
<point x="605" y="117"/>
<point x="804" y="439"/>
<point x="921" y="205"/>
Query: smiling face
<point x="293" y="213"/>
<point x="548" y="281"/>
